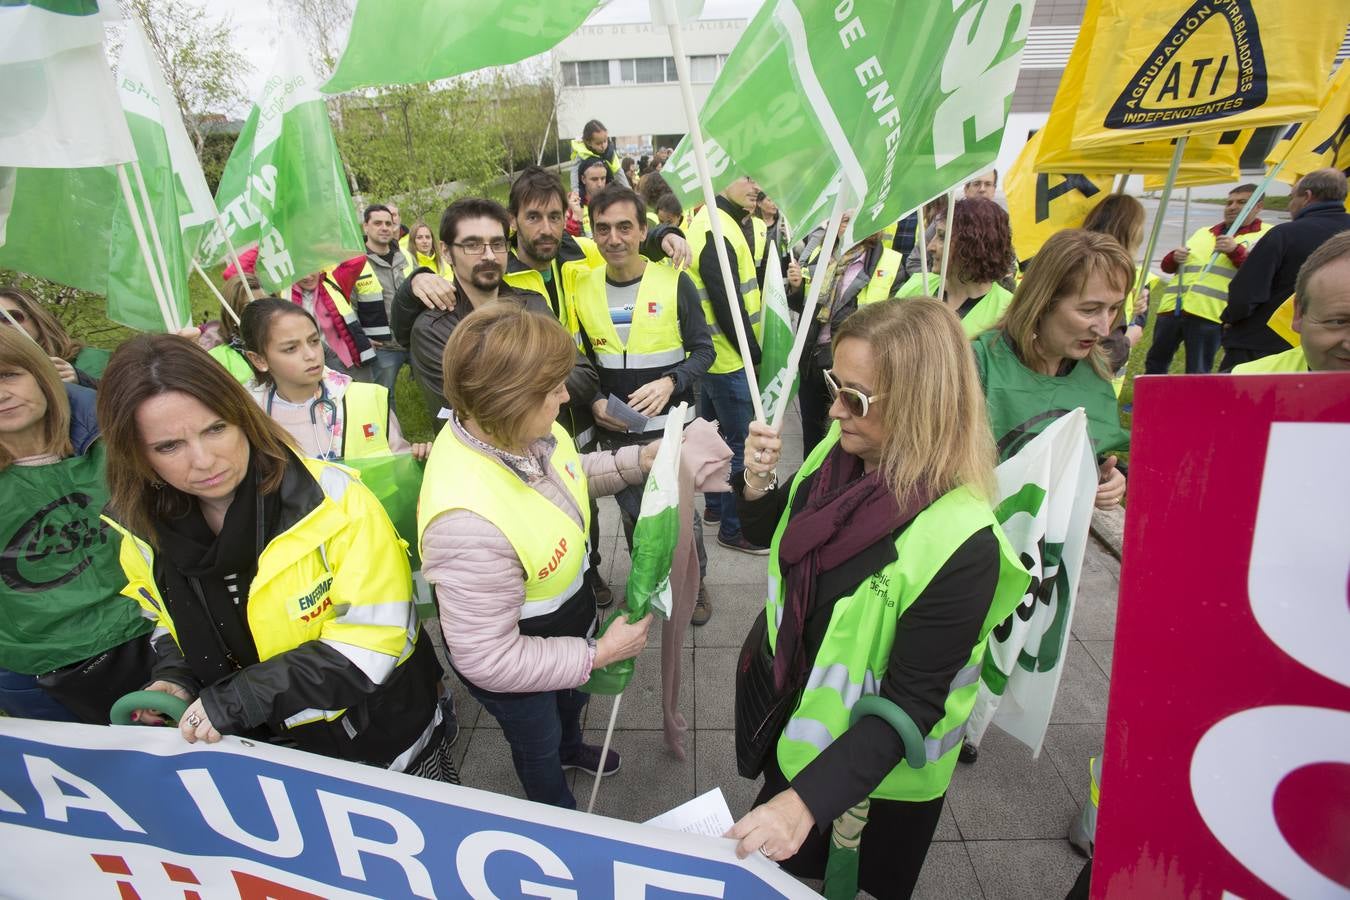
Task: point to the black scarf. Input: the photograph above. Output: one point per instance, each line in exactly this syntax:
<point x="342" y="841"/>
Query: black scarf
<point x="212" y="626"/>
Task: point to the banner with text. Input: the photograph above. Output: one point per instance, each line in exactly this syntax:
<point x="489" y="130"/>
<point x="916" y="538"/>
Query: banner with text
<point x="1227" y="764"/>
<point x="135" y="811"/>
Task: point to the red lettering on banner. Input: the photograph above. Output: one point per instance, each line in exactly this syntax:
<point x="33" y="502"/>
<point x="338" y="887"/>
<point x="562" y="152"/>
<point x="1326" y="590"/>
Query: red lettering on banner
<point x="253" y="887"/>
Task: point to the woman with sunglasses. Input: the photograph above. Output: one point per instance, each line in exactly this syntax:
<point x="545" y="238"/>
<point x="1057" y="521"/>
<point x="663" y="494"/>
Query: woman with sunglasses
<point x="75" y="362"/>
<point x="887" y="572"/>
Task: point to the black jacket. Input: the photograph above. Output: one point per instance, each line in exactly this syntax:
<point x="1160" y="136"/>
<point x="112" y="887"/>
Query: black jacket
<point x="932" y="643"/>
<point x="847" y="306"/>
<point x="710" y="271"/>
<point x="1267" y="277"/>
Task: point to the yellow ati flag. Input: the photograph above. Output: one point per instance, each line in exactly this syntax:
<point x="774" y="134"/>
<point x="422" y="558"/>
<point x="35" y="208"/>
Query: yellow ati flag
<point x="1041" y="203"/>
<point x="1208" y="159"/>
<point x="1165" y="68"/>
<point x="1322" y="143"/>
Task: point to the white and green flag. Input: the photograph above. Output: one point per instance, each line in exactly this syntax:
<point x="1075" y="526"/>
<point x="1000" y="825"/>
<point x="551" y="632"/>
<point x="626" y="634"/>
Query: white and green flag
<point x="412" y="41"/>
<point x="283" y="187"/>
<point x="903" y="99"/>
<point x="775" y="376"/>
<point x="1045" y="497"/>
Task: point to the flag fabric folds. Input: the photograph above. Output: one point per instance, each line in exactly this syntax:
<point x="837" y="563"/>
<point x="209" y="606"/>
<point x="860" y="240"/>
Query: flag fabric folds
<point x="775" y="377"/>
<point x="1144" y="71"/>
<point x="1322" y="143"/>
<point x="655" y="536"/>
<point x="283" y="186"/>
<point x="1041" y="203"/>
<point x="412" y="41"/>
<point x="906" y="100"/>
<point x="1045" y="495"/>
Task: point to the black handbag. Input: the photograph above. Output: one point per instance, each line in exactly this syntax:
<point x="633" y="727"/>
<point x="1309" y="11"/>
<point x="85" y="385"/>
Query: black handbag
<point x="90" y="687"/>
<point x="762" y="710"/>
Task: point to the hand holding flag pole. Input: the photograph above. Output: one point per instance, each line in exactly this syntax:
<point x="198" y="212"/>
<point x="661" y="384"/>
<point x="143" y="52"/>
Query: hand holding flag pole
<point x="1247" y="208"/>
<point x="1158" y="216"/>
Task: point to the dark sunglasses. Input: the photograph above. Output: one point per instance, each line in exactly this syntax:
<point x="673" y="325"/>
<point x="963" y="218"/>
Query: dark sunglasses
<point x="855" y="401"/>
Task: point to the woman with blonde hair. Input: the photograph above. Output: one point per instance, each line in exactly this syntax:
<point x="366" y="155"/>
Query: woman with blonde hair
<point x="1046" y="356"/>
<point x="503" y="519"/>
<point x="281" y="594"/>
<point x="887" y="572"/>
<point x="70" y="643"/>
<point x="76" y="362"/>
<point x="422" y="251"/>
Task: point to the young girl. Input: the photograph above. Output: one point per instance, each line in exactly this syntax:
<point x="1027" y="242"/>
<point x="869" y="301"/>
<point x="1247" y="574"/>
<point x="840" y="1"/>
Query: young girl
<point x="327" y="413"/>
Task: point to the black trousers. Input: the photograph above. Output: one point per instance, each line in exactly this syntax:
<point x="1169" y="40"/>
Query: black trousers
<point x="814" y="398"/>
<point x="1236" y="356"/>
<point x="894" y="842"/>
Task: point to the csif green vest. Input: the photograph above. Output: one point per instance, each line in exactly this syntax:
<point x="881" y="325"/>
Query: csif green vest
<point x="985" y="314"/>
<point x="1204" y="297"/>
<point x="728" y="357"/>
<point x="856" y="650"/>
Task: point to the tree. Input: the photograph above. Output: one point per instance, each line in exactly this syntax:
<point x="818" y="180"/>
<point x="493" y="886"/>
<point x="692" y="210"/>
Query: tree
<point x="200" y="65"/>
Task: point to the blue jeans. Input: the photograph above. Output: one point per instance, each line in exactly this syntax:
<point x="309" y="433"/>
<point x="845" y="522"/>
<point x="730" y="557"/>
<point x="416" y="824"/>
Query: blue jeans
<point x="543" y="729"/>
<point x="1200" y="336"/>
<point x="384" y="370"/>
<point x="726" y="398"/>
<point x="21" y="697"/>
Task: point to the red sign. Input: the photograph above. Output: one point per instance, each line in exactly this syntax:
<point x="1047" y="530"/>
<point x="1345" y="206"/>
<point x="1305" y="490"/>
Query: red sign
<point x="1227" y="763"/>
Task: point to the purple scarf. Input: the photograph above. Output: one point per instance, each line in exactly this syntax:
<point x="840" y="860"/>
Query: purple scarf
<point x="846" y="512"/>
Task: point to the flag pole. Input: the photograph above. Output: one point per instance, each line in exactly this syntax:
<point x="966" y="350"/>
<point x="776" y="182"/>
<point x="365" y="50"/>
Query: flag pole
<point x="1119" y="187"/>
<point x="921" y="236"/>
<point x="136" y="225"/>
<point x="841" y="201"/>
<point x="1185" y="236"/>
<point x="729" y="283"/>
<point x="23" y="331"/>
<point x="604" y="750"/>
<point x="947" y="244"/>
<point x="1247" y="207"/>
<point x="1158" y="216"/>
<point x="196" y="267"/>
<point x="155" y="240"/>
<point x="233" y="256"/>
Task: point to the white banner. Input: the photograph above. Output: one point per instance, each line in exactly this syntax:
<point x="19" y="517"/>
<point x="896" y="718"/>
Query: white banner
<point x="137" y="812"/>
<point x="1045" y="496"/>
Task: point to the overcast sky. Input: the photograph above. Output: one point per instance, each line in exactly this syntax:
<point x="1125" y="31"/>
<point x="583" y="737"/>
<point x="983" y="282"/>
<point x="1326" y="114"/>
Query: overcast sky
<point x="257" y="22"/>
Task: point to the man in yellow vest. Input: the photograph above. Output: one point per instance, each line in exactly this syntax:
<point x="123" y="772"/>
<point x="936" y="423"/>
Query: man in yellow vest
<point x="1321" y="316"/>
<point x="1191" y="306"/>
<point x="725" y="390"/>
<point x="370" y="282"/>
<point x="642" y="325"/>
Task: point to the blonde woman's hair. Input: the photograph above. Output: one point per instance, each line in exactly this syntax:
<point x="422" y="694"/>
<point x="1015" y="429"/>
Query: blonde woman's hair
<point x="1060" y="269"/>
<point x="18" y="351"/>
<point x="499" y="365"/>
<point x="51" y="335"/>
<point x="239" y="291"/>
<point x="937" y="430"/>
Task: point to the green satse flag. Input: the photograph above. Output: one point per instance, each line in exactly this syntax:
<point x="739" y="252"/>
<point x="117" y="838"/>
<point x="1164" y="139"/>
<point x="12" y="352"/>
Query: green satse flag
<point x="60" y="579"/>
<point x="284" y="187"/>
<point x="776" y="345"/>
<point x="412" y="41"/>
<point x="396" y="481"/>
<point x="904" y="100"/>
<point x="655" y="536"/>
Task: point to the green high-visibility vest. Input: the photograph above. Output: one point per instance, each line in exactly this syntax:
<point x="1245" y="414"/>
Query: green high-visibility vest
<point x="856" y="650"/>
<point x="1293" y="360"/>
<point x="985" y="314"/>
<point x="728" y="357"/>
<point x="1204" y="297"/>
<point x="234" y="362"/>
<point x="365" y="417"/>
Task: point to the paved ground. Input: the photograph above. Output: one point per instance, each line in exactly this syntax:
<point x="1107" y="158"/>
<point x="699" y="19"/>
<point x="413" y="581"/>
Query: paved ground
<point x="1002" y="832"/>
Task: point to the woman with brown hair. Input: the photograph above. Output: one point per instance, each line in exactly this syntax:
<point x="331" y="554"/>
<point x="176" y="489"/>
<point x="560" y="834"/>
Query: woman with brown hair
<point x="981" y="255"/>
<point x="239" y="291"/>
<point x="1122" y="217"/>
<point x="503" y="520"/>
<point x="70" y="644"/>
<point x="281" y="593"/>
<point x="75" y="362"/>
<point x="887" y="572"/>
<point x="1046" y="356"/>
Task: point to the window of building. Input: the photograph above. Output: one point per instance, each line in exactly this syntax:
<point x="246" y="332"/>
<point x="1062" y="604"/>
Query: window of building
<point x="585" y="73"/>
<point x="705" y="69"/>
<point x="652" y="71"/>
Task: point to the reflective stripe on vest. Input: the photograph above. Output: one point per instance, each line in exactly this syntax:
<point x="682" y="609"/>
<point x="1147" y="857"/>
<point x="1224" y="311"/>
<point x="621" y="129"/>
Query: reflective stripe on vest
<point x="728" y="355"/>
<point x="1205" y="297"/>
<point x="365" y="421"/>
<point x="549" y="543"/>
<point x="654" y="339"/>
<point x="1294" y="360"/>
<point x="847" y="667"/>
<point x="367" y="292"/>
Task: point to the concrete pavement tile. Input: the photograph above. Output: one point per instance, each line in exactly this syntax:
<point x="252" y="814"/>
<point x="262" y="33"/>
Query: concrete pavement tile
<point x="1102" y="652"/>
<point x="487" y="763"/>
<point x="650" y="781"/>
<point x="1025" y="870"/>
<point x="732" y="566"/>
<point x="467" y="710"/>
<point x="715" y="686"/>
<point x="641" y="706"/>
<point x="715" y="766"/>
<point x="946" y="827"/>
<point x="1007" y="795"/>
<point x="734" y="609"/>
<point x="1069" y="748"/>
<point x="609" y="516"/>
<point x="1094" y="617"/>
<point x="948" y="873"/>
<point x="1082" y="690"/>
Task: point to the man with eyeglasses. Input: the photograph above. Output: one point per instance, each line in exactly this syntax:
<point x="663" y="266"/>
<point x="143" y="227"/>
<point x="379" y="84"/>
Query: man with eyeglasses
<point x="473" y="237"/>
<point x="642" y="325"/>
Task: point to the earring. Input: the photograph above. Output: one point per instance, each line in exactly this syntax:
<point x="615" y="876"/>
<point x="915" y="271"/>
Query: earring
<point x="157" y="485"/>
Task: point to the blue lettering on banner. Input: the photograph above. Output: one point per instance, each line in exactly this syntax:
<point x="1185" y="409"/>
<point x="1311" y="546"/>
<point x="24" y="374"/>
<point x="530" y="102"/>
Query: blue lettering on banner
<point x="273" y="813"/>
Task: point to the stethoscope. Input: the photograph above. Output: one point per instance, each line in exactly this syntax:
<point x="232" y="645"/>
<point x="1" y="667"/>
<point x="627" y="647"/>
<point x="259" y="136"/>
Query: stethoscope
<point x="323" y="401"/>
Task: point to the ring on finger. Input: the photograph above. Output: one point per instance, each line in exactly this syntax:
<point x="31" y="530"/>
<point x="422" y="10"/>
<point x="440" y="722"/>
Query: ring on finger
<point x="194" y="720"/>
<point x="767" y="852"/>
